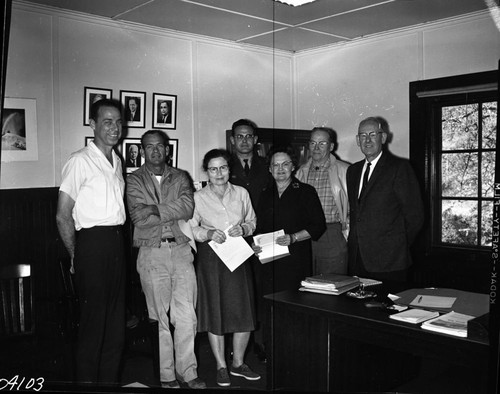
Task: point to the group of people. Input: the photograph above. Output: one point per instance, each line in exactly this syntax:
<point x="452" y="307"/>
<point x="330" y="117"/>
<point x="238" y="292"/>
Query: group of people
<point x="356" y="220"/>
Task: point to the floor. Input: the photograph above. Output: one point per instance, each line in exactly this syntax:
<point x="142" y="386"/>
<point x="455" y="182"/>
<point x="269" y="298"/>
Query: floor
<point x="138" y="367"/>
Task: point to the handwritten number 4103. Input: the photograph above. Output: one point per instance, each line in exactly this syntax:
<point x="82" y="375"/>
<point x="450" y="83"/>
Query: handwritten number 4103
<point x="17" y="383"/>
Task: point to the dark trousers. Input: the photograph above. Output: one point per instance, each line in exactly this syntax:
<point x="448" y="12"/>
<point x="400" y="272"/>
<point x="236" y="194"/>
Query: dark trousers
<point x="357" y="267"/>
<point x="100" y="281"/>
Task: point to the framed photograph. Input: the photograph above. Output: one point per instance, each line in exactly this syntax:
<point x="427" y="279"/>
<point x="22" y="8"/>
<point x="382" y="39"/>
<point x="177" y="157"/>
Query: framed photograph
<point x="88" y="139"/>
<point x="90" y="96"/>
<point x="134" y="104"/>
<point x="19" y="130"/>
<point x="131" y="152"/>
<point x="164" y="111"/>
<point x="173" y="149"/>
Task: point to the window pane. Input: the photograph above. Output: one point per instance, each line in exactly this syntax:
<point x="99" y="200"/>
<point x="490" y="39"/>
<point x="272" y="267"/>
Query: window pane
<point x="488" y="174"/>
<point x="459" y="225"/>
<point x="486" y="223"/>
<point x="490" y="124"/>
<point x="459" y="127"/>
<point x="459" y="173"/>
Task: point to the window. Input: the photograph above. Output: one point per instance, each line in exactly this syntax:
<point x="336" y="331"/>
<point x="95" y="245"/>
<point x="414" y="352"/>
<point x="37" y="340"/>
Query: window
<point x="465" y="163"/>
<point x="453" y="127"/>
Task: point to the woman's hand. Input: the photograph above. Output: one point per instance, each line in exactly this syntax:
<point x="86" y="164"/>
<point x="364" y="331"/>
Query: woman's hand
<point x="284" y="240"/>
<point x="216" y="236"/>
<point x="256" y="249"/>
<point x="236" y="231"/>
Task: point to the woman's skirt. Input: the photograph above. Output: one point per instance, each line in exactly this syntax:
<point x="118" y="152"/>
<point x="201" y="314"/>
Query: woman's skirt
<point x="225" y="299"/>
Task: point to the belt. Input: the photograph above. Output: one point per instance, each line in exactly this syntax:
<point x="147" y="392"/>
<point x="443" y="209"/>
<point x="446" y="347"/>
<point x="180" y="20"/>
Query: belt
<point x="169" y="240"/>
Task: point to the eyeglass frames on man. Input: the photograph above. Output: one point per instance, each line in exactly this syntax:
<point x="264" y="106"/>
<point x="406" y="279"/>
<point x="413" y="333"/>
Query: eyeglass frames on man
<point x="371" y="135"/>
<point x="241" y="137"/>
<point x="321" y="144"/>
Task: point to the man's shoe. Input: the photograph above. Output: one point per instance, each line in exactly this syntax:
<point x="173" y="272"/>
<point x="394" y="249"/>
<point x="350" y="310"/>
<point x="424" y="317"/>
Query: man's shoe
<point x="245" y="372"/>
<point x="173" y="384"/>
<point x="196" y="383"/>
<point x="223" y="377"/>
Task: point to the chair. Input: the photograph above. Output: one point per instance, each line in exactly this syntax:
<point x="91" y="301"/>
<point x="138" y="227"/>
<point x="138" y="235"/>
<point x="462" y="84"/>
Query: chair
<point x="69" y="302"/>
<point x="17" y="315"/>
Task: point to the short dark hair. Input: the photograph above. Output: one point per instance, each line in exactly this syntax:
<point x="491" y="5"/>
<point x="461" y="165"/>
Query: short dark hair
<point x="161" y="133"/>
<point x="213" y="154"/>
<point x="244" y="122"/>
<point x="288" y="149"/>
<point x="105" y="102"/>
<point x="332" y="135"/>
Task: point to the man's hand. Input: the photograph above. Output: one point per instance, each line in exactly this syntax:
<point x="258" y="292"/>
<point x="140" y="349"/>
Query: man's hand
<point x="143" y="211"/>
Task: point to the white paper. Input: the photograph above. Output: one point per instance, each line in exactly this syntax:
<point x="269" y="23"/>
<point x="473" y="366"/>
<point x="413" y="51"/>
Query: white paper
<point x="270" y="249"/>
<point x="428" y="301"/>
<point x="233" y="251"/>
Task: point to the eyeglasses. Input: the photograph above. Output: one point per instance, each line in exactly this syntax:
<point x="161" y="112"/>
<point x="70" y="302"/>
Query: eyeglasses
<point x="241" y="137"/>
<point x="321" y="144"/>
<point x="372" y="135"/>
<point x="285" y="165"/>
<point x="215" y="170"/>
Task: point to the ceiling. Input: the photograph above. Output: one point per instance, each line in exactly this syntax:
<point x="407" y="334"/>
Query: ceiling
<point x="275" y="25"/>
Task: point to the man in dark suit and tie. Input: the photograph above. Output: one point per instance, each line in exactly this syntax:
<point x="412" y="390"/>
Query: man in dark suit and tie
<point x="164" y="115"/>
<point x="251" y="171"/>
<point x="132" y="113"/>
<point x="134" y="159"/>
<point x="386" y="209"/>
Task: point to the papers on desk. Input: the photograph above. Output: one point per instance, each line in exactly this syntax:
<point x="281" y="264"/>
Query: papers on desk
<point x="434" y="302"/>
<point x="333" y="284"/>
<point x="270" y="249"/>
<point x="414" y="316"/>
<point x="233" y="251"/>
<point x="452" y="323"/>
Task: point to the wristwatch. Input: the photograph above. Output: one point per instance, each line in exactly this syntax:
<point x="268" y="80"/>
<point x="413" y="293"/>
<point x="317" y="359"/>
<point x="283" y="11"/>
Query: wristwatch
<point x="294" y="238"/>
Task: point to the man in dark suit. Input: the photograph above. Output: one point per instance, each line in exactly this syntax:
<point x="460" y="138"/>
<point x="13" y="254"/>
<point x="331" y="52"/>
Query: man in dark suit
<point x="164" y="115"/>
<point x="132" y="113"/>
<point x="133" y="159"/>
<point x="251" y="171"/>
<point x="386" y="210"/>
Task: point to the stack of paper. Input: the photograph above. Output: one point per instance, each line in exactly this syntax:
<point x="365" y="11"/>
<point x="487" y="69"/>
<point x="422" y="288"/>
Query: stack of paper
<point x="433" y="302"/>
<point x="414" y="316"/>
<point x="452" y="323"/>
<point x="270" y="249"/>
<point x="334" y="284"/>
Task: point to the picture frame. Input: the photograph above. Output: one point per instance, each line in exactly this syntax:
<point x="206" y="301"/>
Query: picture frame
<point x="91" y="95"/>
<point x="173" y="149"/>
<point x="163" y="102"/>
<point x="131" y="152"/>
<point x="134" y="115"/>
<point x="19" y="130"/>
<point x="88" y="139"/>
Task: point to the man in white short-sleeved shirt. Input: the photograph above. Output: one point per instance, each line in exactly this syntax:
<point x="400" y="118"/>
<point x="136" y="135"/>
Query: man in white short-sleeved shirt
<point x="90" y="215"/>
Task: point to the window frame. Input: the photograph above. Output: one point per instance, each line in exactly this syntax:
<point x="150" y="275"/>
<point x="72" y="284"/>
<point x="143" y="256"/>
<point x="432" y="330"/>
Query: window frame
<point x="425" y="151"/>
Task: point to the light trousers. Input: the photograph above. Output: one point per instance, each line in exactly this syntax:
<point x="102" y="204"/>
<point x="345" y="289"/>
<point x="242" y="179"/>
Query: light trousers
<point x="168" y="281"/>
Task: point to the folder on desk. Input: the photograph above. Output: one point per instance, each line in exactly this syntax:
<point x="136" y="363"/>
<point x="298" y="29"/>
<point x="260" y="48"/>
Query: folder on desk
<point x="333" y="284"/>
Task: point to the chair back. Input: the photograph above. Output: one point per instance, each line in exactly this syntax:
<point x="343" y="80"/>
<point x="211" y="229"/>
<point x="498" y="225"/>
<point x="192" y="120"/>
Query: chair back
<point x="16" y="307"/>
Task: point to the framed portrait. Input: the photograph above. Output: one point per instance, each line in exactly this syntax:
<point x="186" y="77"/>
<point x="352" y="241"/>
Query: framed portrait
<point x="164" y="111"/>
<point x="19" y="130"/>
<point x="131" y="152"/>
<point x="134" y="105"/>
<point x="90" y="96"/>
<point x="173" y="149"/>
<point x="88" y="139"/>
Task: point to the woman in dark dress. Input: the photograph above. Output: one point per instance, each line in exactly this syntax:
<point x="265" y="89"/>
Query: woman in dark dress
<point x="295" y="207"/>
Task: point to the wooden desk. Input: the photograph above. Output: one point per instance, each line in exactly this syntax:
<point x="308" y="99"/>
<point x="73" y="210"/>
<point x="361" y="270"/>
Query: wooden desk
<point x="315" y="341"/>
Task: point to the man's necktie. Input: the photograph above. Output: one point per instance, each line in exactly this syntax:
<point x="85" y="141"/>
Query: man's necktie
<point x="246" y="168"/>
<point x="365" y="179"/>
